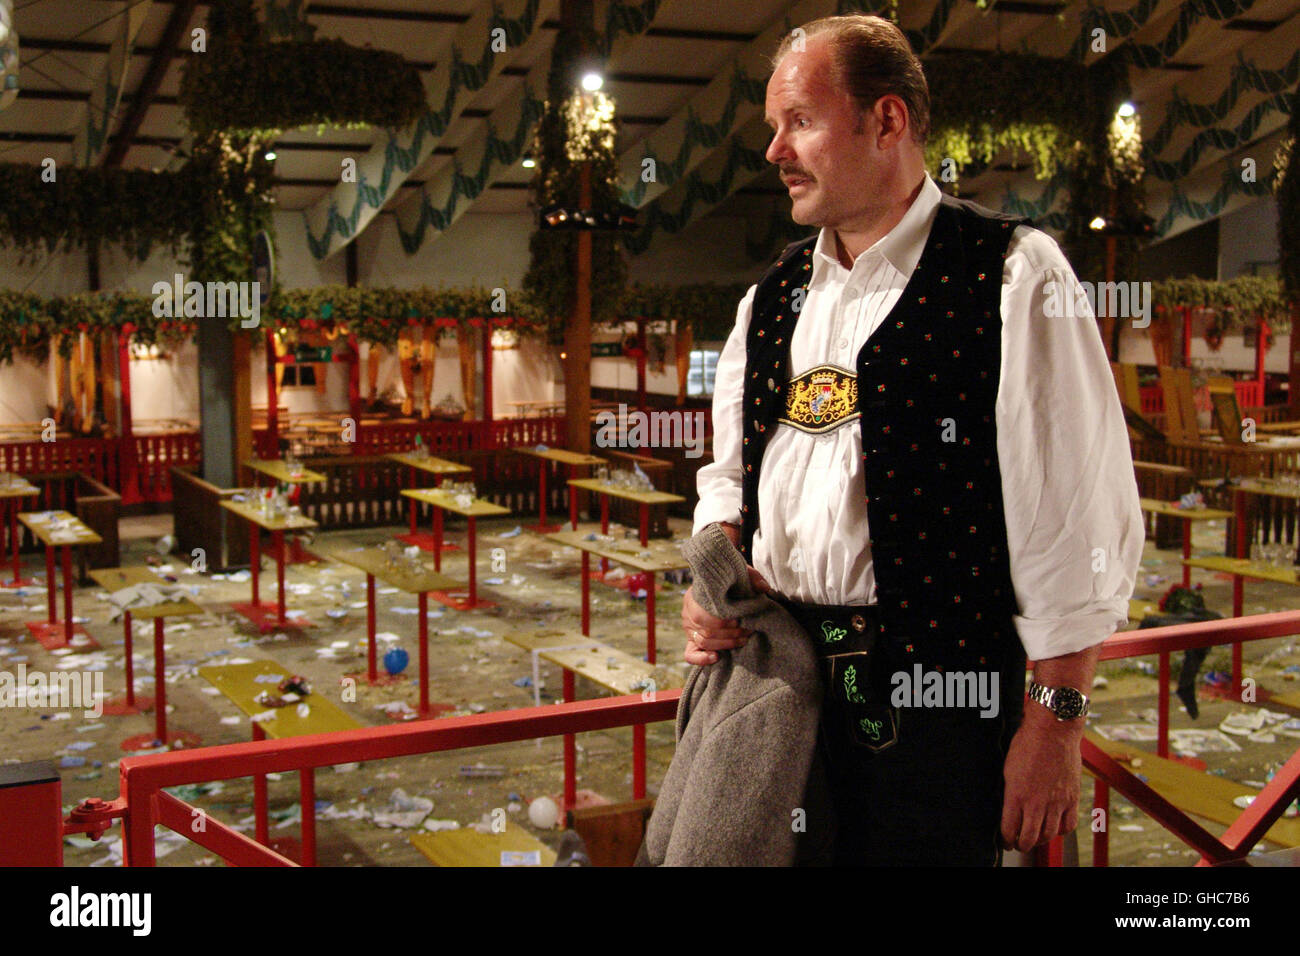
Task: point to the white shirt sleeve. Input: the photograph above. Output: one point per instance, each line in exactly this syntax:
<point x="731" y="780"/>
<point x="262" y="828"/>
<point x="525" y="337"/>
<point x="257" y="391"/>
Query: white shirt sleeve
<point x="1074" y="525"/>
<point x="718" y="483"/>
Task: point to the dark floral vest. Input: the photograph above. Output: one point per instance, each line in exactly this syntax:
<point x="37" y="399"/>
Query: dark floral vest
<point x="927" y="388"/>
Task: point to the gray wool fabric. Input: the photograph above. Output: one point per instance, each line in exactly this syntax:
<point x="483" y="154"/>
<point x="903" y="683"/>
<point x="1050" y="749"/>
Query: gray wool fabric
<point x="738" y="791"/>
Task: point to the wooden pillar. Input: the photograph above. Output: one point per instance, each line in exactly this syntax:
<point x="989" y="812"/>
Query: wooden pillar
<point x="487" y="370"/>
<point x="640" y="363"/>
<point x="1293" y="364"/>
<point x="272" y="397"/>
<point x="577" y="339"/>
<point x="242" y="390"/>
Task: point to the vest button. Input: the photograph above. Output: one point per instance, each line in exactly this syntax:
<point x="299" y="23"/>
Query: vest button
<point x="859" y="622"/>
<point x="771" y="383"/>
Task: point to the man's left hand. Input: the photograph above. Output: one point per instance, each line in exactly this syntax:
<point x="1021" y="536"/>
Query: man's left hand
<point x="1041" y="773"/>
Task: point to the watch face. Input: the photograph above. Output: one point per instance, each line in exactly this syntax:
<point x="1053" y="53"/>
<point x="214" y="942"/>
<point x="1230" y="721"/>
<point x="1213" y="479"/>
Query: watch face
<point x="1069" y="703"/>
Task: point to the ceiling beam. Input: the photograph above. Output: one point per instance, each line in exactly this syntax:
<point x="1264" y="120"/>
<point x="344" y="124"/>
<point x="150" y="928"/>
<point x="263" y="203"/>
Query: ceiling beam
<point x="177" y="21"/>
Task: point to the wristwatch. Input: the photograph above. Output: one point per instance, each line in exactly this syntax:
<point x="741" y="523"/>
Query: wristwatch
<point x="1065" y="702"/>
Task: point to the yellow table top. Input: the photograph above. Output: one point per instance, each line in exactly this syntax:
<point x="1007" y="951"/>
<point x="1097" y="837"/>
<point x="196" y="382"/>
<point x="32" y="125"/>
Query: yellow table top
<point x="114" y="579"/>
<point x="641" y="497"/>
<point x="441" y="499"/>
<point x="434" y="466"/>
<point x="73" y="533"/>
<point x="375" y="561"/>
<point x="254" y="514"/>
<point x="1255" y="486"/>
<point x="661" y="555"/>
<point x="17" y="487"/>
<point x="240" y="684"/>
<point x="1155" y="506"/>
<point x="563" y="456"/>
<point x="1137" y="610"/>
<point x="467" y="847"/>
<point x="275" y="468"/>
<point x="605" y="666"/>
<point x="1244" y="567"/>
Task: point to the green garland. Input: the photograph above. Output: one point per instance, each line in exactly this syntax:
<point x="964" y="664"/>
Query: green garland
<point x="252" y="88"/>
<point x="136" y="209"/>
<point x="30" y="322"/>
<point x="1237" y="303"/>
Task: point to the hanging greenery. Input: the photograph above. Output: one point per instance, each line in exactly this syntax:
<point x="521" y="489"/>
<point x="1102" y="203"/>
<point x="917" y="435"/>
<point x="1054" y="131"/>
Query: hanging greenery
<point x="83" y="206"/>
<point x="980" y="109"/>
<point x="576" y="130"/>
<point x="261" y="86"/>
<point x="1234" y="304"/>
<point x="30" y="322"/>
<point x="1287" y="181"/>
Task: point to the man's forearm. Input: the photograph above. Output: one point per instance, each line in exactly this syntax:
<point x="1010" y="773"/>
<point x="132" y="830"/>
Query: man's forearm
<point x="1070" y="670"/>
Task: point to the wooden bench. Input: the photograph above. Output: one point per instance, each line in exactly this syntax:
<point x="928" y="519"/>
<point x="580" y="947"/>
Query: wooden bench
<point x="614" y="832"/>
<point x="466" y="846"/>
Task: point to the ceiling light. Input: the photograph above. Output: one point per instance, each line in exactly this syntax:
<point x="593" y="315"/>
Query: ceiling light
<point x="1126" y="109"/>
<point x="270" y="156"/>
<point x="592" y="81"/>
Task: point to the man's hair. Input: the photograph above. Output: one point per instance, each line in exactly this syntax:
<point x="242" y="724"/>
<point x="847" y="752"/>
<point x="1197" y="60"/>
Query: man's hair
<point x="870" y="57"/>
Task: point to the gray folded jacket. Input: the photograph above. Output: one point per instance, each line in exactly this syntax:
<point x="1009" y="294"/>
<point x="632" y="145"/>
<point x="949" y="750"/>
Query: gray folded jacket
<point x="738" y="790"/>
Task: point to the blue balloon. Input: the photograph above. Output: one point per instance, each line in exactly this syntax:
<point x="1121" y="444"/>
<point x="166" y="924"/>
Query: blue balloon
<point x="395" y="661"/>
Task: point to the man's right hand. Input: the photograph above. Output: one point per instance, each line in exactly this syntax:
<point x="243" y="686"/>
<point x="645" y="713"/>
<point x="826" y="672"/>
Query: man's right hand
<point x="706" y="635"/>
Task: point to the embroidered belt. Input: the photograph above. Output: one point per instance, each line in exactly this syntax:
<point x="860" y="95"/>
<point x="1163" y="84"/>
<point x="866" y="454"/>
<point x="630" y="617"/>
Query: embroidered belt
<point x="821" y="400"/>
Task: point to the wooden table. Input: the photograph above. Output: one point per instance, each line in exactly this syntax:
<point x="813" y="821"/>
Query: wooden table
<point x="608" y="667"/>
<point x="115" y="579"/>
<point x="276" y="469"/>
<point x="467" y="847"/>
<point x="437" y="467"/>
<point x="1241" y="568"/>
<point x="478" y="508"/>
<point x="241" y="683"/>
<point x="52" y="634"/>
<point x="257" y="612"/>
<point x="644" y="500"/>
<point x="374" y="562"/>
<point x="1187" y="516"/>
<point x="663" y="556"/>
<point x="564" y="457"/>
<point x="13" y="488"/>
<point x="539" y="405"/>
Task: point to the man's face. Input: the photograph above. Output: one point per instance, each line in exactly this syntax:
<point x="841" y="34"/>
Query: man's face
<point x="821" y="141"/>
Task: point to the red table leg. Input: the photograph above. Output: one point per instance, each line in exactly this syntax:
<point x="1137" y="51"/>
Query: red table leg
<point x="414" y="503"/>
<point x="570" y="752"/>
<point x="650" y="620"/>
<point x="51" y="581"/>
<point x="644" y="514"/>
<point x="1162" y="710"/>
<point x="473" y="564"/>
<point x="261" y="831"/>
<point x="638" y="762"/>
<point x="15" y="538"/>
<point x="307" y="801"/>
<point x="1237" y="584"/>
<point x="573" y="507"/>
<point x="67" y="595"/>
<point x="604" y="528"/>
<point x="370" y="628"/>
<point x="586" y="594"/>
<point x="437" y="539"/>
<point x="130" y="664"/>
<point x="278" y="538"/>
<point x="424" y="654"/>
<point x="159" y="683"/>
<point x="255" y="558"/>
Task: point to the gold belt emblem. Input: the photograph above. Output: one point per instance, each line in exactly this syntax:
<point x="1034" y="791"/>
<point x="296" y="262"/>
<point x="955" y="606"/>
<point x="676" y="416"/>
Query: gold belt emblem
<point x="821" y="399"/>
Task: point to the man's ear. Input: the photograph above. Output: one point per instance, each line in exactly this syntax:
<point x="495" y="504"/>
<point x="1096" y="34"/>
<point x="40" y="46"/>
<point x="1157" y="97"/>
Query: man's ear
<point x="892" y="120"/>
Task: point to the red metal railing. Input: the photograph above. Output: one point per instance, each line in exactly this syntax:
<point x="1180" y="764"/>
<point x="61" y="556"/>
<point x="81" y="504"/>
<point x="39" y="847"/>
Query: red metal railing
<point x="1109" y="773"/>
<point x="1250" y="394"/>
<point x="142" y="804"/>
<point x="137" y="468"/>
